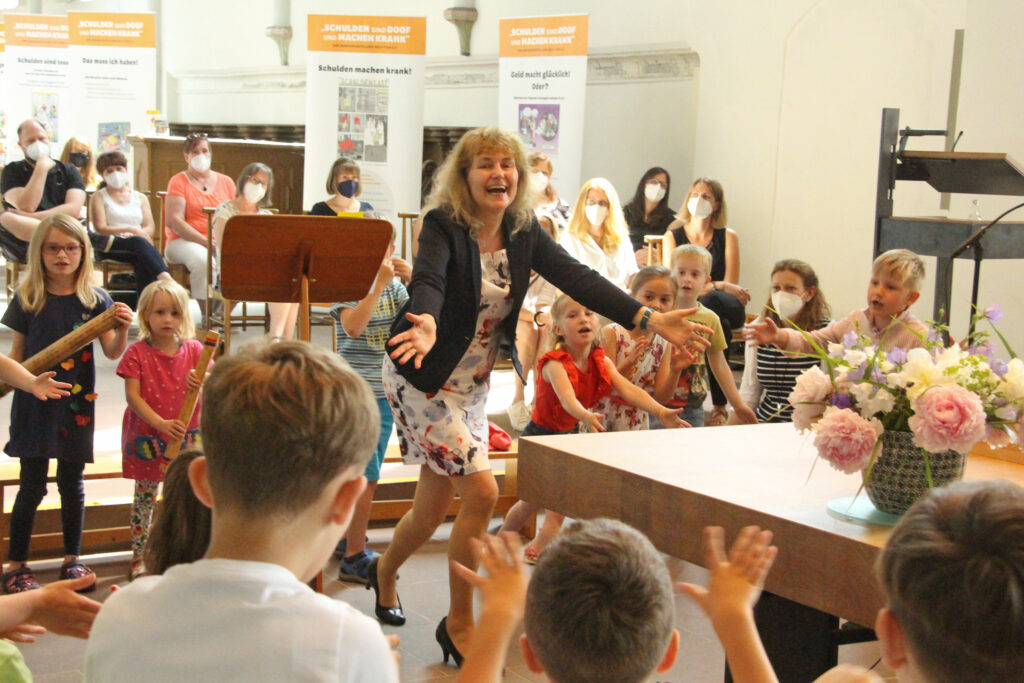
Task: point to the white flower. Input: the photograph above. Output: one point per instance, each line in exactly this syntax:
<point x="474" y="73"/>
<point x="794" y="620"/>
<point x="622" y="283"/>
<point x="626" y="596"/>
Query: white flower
<point x="920" y="372"/>
<point x="1012" y="384"/>
<point x="855" y="357"/>
<point x="871" y="400"/>
<point x="835" y="350"/>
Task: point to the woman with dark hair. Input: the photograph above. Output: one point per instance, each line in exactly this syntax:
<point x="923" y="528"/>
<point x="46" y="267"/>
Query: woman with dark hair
<point x="702" y="221"/>
<point x="480" y="240"/>
<point x="344" y="185"/>
<point x="795" y="301"/>
<point x="116" y="208"/>
<point x="188" y="193"/>
<point x="648" y="212"/>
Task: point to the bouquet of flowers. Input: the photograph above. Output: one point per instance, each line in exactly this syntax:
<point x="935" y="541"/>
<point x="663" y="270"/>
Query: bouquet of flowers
<point x="949" y="398"/>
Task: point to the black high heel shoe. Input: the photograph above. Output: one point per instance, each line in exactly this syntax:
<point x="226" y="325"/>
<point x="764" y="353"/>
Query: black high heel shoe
<point x="392" y="616"/>
<point x="448" y="648"/>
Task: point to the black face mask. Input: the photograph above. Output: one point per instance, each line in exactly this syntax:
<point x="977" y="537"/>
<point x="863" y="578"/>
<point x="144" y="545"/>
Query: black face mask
<point x="79" y="159"/>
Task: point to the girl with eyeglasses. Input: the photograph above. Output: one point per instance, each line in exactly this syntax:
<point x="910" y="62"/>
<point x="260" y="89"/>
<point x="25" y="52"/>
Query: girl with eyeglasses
<point x="54" y="298"/>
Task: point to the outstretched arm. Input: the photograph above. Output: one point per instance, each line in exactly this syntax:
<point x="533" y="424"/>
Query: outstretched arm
<point x="555" y="375"/>
<point x="723" y="373"/>
<point x="733" y="589"/>
<point x="55" y="607"/>
<point x="639" y="398"/>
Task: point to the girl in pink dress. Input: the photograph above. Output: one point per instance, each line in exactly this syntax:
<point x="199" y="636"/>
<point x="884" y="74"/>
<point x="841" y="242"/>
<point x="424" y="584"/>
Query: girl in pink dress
<point x="158" y="374"/>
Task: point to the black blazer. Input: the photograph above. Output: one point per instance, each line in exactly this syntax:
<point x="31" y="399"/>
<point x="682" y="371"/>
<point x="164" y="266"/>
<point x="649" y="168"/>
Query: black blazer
<point x="446" y="284"/>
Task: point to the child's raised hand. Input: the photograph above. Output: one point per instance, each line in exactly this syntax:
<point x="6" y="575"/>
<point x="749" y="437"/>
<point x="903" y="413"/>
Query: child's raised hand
<point x="503" y="590"/>
<point x="762" y="333"/>
<point x="45" y="387"/>
<point x="592" y="421"/>
<point x="736" y="580"/>
<point x="173" y="428"/>
<point x="680" y="361"/>
<point x="385" y="274"/>
<point x="123" y="315"/>
<point x="669" y="417"/>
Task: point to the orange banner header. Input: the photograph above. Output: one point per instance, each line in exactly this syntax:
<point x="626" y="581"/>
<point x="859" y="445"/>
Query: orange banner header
<point x="380" y="35"/>
<point x="3" y="37"/>
<point x="112" y="29"/>
<point x="544" y="36"/>
<point x="36" y="30"/>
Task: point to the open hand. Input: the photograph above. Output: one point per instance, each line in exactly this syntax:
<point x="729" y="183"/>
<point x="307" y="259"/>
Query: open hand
<point x="669" y="417"/>
<point x="503" y="590"/>
<point x="762" y="333"/>
<point x="736" y="580"/>
<point x="592" y="422"/>
<point x="689" y="337"/>
<point x="45" y="387"/>
<point x="416" y="342"/>
<point x="62" y="611"/>
<point x="744" y="415"/>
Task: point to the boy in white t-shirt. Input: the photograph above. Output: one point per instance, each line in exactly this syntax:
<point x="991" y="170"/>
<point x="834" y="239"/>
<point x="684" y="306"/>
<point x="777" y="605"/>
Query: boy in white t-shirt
<point x="287" y="429"/>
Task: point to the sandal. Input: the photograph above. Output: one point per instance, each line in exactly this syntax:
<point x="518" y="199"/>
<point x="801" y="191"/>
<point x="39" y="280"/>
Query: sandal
<point x="76" y="570"/>
<point x="719" y="416"/>
<point x="18" y="581"/>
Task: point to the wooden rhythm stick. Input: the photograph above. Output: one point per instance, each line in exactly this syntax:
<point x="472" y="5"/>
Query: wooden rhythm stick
<point x="68" y="345"/>
<point x="189" y="406"/>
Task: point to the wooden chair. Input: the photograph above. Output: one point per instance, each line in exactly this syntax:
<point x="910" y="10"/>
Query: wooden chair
<point x="408" y="221"/>
<point x="178" y="271"/>
<point x="213" y="293"/>
<point x="655" y="244"/>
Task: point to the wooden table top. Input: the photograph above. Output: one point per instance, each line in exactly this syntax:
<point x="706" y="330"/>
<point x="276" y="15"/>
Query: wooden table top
<point x="670" y="484"/>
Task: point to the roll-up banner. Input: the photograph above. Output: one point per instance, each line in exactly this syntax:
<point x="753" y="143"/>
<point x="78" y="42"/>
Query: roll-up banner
<point x="37" y="78"/>
<point x="113" y="76"/>
<point x="3" y="96"/>
<point x="364" y="101"/>
<point x="542" y="87"/>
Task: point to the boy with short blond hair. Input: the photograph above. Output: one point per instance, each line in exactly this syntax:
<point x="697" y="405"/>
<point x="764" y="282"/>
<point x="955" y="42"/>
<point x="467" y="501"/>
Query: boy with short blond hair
<point x="896" y="278"/>
<point x="288" y="429"/>
<point x="681" y="383"/>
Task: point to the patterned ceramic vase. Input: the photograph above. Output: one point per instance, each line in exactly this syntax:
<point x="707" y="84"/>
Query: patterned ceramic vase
<point x="899" y="477"/>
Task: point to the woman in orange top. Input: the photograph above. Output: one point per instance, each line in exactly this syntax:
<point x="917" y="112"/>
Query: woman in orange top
<point x="188" y="192"/>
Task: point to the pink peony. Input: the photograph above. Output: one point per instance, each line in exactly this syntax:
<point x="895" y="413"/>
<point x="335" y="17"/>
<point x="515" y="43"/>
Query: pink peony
<point x="845" y="439"/>
<point x="948" y="418"/>
<point x="808" y="396"/>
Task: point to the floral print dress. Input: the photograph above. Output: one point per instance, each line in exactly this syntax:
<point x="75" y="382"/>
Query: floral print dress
<point x="620" y="416"/>
<point x="447" y="430"/>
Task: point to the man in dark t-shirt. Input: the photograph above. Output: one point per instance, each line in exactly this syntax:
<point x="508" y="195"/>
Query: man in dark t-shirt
<point x="37" y="186"/>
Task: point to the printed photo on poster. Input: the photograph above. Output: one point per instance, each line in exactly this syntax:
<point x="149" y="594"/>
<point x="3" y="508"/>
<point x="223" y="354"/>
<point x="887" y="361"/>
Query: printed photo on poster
<point x="44" y="110"/>
<point x="363" y="121"/>
<point x="113" y="136"/>
<point x="538" y="127"/>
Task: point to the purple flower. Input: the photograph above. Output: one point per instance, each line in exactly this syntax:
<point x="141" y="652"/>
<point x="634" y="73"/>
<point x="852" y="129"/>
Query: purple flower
<point x="897" y="356"/>
<point x="935" y="337"/>
<point x="999" y="367"/>
<point x="850" y="340"/>
<point x="985" y="350"/>
<point x="993" y="313"/>
<point x="840" y="401"/>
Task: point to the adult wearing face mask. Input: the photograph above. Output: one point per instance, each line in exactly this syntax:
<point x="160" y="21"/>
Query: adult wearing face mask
<point x="701" y="221"/>
<point x="597" y="234"/>
<point x="648" y="213"/>
<point x="344" y="184"/>
<point x="117" y="208"/>
<point x="255" y="185"/>
<point x="38" y="186"/>
<point x="769" y="375"/>
<point x="78" y="153"/>
<point x="188" y="192"/>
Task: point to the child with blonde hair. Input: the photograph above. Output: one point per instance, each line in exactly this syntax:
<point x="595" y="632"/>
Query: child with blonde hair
<point x="571" y="380"/>
<point x="896" y="278"/>
<point x="158" y="374"/>
<point x="687" y="385"/>
<point x="54" y="298"/>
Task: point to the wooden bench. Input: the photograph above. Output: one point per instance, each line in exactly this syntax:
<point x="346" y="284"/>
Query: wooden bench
<point x="107" y="524"/>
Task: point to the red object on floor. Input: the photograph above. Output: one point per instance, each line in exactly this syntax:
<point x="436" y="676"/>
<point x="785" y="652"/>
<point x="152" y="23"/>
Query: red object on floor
<point x="499" y="438"/>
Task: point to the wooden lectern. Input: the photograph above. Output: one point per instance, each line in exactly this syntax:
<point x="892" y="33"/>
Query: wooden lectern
<point x="291" y="259"/>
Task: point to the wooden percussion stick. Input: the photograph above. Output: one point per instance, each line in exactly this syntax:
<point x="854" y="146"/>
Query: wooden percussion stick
<point x="68" y="345"/>
<point x="189" y="406"/>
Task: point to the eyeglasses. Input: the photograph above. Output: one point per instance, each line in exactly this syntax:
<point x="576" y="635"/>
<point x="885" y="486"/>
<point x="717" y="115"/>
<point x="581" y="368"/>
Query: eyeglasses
<point x="69" y="249"/>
